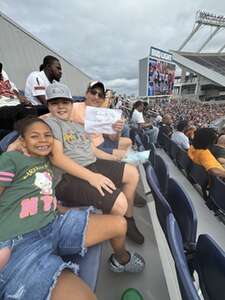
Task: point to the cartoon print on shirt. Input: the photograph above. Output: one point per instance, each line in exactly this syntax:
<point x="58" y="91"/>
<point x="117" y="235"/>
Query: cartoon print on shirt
<point x="70" y="137"/>
<point x="44" y="182"/>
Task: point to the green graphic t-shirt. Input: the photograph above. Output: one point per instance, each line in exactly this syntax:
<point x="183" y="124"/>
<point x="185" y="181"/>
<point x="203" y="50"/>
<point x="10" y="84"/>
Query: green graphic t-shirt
<point x="28" y="201"/>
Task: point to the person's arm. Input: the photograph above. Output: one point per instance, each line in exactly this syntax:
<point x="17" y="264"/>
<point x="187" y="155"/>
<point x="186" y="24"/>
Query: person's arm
<point x="211" y="164"/>
<point x="185" y="144"/>
<point x="2" y="188"/>
<point x="118" y="127"/>
<point x="37" y="87"/>
<point x="62" y="161"/>
<point x="217" y="172"/>
<point x="221" y="160"/>
<point x="42" y="99"/>
<point x="145" y="125"/>
<point x="23" y="99"/>
<point x="102" y="154"/>
<point x="17" y="146"/>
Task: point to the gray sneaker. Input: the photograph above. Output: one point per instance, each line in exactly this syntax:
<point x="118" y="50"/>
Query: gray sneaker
<point x="136" y="264"/>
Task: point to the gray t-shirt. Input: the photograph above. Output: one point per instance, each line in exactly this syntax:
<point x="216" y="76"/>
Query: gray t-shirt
<point x="76" y="143"/>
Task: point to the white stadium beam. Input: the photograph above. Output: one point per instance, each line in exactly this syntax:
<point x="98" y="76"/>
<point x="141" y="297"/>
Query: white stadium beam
<point x="190" y="36"/>
<point x="209" y="38"/>
<point x="221" y="49"/>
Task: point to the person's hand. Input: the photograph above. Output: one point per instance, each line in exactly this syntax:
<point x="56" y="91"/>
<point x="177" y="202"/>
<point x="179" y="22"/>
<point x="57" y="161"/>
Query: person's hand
<point x="119" y="125"/>
<point x="24" y="100"/>
<point x="17" y="146"/>
<point x="119" y="154"/>
<point x="101" y="182"/>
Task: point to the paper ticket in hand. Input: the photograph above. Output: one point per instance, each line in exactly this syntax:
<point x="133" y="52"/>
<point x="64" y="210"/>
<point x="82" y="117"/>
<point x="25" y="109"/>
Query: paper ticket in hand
<point x="101" y="119"/>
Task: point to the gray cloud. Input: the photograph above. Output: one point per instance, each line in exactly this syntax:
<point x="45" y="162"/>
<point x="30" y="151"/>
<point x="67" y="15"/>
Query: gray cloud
<point x="106" y="38"/>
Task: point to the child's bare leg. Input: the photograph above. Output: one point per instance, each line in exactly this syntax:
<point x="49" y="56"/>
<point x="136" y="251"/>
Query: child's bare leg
<point x="71" y="287"/>
<point x="108" y="227"/>
<point x="120" y="205"/>
<point x="4" y="256"/>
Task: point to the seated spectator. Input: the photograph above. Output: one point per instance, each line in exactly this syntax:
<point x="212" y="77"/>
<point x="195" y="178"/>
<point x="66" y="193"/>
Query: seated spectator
<point x="200" y="154"/>
<point x="88" y="178"/>
<point x="158" y="120"/>
<point x="13" y="106"/>
<point x="137" y="119"/>
<point x="37" y="82"/>
<point x="165" y="128"/>
<point x="190" y="133"/>
<point x="179" y="137"/>
<point x="115" y="145"/>
<point x="9" y="94"/>
<point x="35" y="234"/>
<point x="218" y="149"/>
<point x="109" y="97"/>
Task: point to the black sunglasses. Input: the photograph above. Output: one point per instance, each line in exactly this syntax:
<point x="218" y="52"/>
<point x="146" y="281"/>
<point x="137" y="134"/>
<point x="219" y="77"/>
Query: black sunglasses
<point x="99" y="94"/>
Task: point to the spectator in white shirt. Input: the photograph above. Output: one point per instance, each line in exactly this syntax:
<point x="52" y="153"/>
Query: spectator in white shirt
<point x="37" y="82"/>
<point x="138" y="120"/>
<point x="179" y="137"/>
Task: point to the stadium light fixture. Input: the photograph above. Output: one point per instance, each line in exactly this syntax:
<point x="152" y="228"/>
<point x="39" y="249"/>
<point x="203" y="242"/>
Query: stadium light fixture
<point x="205" y="18"/>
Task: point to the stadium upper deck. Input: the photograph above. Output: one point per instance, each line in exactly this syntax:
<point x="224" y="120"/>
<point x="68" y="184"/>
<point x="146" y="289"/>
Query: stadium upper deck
<point x="202" y="74"/>
<point x="212" y="61"/>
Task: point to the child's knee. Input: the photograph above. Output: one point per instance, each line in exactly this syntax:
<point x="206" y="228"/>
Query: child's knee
<point x="5" y="254"/>
<point x="120" y="205"/>
<point x="119" y="226"/>
<point x="131" y="174"/>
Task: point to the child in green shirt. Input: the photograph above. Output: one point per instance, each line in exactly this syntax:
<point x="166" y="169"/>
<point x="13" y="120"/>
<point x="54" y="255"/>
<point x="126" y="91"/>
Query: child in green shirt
<point x="34" y="236"/>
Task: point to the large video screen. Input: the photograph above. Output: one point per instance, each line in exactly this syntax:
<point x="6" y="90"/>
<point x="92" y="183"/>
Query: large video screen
<point x="161" y="75"/>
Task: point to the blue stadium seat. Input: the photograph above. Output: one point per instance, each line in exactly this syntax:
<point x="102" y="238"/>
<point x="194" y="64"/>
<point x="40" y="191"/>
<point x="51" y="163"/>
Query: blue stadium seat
<point x="162" y="173"/>
<point x="166" y="143"/>
<point x="7" y="140"/>
<point x="152" y="154"/>
<point x="163" y="209"/>
<point x="174" y="150"/>
<point x="210" y="265"/>
<point x="184" y="213"/>
<point x="89" y="265"/>
<point x="187" y="288"/>
<point x="217" y="192"/>
<point x="183" y="161"/>
<point x="200" y="176"/>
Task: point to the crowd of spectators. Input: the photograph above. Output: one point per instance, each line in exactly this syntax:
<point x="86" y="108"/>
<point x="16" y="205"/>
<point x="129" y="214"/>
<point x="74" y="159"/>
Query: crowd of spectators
<point x="197" y="113"/>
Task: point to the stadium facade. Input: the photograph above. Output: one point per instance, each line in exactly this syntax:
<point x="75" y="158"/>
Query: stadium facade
<point x="202" y="74"/>
<point x="22" y="53"/>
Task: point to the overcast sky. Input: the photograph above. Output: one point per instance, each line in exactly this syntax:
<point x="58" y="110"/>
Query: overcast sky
<point x="106" y="38"/>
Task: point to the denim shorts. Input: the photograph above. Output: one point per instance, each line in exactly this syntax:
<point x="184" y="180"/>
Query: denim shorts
<point x="35" y="263"/>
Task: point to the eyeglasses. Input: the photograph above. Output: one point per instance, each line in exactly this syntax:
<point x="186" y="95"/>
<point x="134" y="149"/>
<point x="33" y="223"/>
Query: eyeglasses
<point x="99" y="94"/>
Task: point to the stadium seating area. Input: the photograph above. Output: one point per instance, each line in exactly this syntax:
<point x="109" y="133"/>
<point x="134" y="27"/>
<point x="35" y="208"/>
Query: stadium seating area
<point x="178" y="220"/>
<point x="211" y="187"/>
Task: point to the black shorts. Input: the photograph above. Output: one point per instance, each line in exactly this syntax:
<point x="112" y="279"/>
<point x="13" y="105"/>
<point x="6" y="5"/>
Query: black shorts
<point x="73" y="191"/>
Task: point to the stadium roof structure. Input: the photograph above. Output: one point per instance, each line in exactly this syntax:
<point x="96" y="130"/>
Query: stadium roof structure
<point x="205" y="71"/>
<point x="208" y="65"/>
<point x="206" y="19"/>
